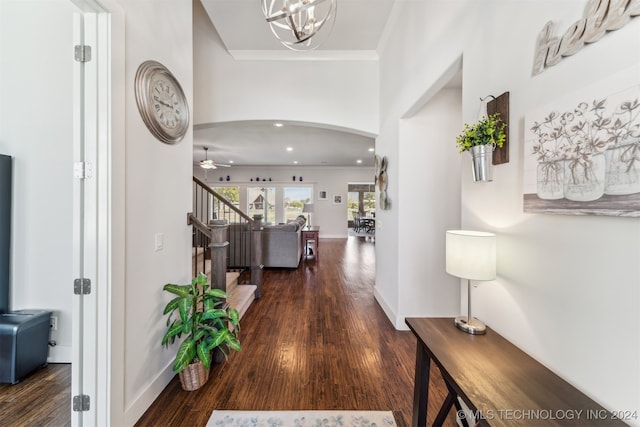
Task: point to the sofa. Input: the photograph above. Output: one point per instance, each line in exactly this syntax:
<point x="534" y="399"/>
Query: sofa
<point x="282" y="244"/>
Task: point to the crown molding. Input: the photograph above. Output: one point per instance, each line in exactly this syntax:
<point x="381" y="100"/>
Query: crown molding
<point x="314" y="55"/>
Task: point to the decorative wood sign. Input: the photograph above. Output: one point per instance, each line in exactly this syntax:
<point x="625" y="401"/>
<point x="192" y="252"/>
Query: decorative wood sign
<point x="601" y="16"/>
<point x="501" y="105"/>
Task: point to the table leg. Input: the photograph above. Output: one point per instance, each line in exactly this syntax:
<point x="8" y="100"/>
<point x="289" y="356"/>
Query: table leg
<point x="463" y="421"/>
<point x="421" y="387"/>
<point x="449" y="401"/>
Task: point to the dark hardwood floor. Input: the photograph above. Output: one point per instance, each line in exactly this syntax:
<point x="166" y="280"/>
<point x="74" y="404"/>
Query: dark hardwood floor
<point x="40" y="399"/>
<point x="317" y="339"/>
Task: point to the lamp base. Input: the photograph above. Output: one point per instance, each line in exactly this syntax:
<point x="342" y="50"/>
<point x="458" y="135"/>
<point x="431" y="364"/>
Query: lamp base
<point x="475" y="327"/>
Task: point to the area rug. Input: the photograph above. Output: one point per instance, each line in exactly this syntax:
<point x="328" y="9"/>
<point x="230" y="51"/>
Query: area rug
<point x="301" y="419"/>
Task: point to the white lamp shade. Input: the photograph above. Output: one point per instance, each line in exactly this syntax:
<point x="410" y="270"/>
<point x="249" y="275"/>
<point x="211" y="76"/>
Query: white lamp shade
<point x="308" y="207"/>
<point x="471" y="254"/>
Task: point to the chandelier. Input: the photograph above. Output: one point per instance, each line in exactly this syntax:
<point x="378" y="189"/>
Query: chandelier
<point x="295" y="23"/>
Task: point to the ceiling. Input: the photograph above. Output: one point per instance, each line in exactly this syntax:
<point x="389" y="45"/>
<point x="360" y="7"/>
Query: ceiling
<point x="261" y="143"/>
<point x="241" y="25"/>
<point x="357" y="32"/>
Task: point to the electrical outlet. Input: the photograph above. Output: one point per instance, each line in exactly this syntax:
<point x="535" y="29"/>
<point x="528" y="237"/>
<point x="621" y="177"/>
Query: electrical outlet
<point x="53" y="323"/>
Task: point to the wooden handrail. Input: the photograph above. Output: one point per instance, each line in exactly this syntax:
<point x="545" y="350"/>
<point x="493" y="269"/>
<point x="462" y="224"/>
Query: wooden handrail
<point x="201" y="226"/>
<point x="219" y="196"/>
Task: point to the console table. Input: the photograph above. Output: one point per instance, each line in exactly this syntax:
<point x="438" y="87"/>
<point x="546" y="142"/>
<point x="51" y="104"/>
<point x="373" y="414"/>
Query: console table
<point x="310" y="234"/>
<point x="499" y="383"/>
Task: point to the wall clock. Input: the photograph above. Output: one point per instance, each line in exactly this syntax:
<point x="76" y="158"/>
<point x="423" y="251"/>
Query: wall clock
<point x="161" y="102"/>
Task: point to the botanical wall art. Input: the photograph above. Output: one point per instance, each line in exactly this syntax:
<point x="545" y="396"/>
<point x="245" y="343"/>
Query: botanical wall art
<point x="582" y="153"/>
<point x="381" y="180"/>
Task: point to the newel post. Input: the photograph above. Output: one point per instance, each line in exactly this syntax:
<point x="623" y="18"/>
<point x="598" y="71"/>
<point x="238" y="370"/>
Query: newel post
<point x="256" y="255"/>
<point x="218" y="246"/>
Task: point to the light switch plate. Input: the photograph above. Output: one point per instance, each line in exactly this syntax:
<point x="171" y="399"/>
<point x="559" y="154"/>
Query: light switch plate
<point x="159" y="241"/>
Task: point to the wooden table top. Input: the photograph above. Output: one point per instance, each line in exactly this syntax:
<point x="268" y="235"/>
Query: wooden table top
<point x="504" y="383"/>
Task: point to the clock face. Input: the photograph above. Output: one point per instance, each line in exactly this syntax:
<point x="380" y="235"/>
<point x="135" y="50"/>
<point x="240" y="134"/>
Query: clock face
<point x="161" y="102"/>
<point x="167" y="107"/>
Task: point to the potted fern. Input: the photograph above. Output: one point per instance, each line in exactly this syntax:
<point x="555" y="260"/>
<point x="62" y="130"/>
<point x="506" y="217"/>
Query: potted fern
<point x="480" y="139"/>
<point x="201" y="313"/>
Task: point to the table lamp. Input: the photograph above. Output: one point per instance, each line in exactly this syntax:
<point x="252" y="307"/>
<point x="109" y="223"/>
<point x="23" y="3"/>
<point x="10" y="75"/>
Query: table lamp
<point x="471" y="255"/>
<point x="308" y="209"/>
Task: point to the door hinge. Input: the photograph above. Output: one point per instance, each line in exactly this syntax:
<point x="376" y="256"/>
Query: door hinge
<point x="82" y="286"/>
<point x="82" y="170"/>
<point x="82" y="53"/>
<point x="81" y="403"/>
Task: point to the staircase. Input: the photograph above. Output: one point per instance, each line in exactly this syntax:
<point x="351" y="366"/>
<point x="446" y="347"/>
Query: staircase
<point x="226" y="242"/>
<point x="240" y="295"/>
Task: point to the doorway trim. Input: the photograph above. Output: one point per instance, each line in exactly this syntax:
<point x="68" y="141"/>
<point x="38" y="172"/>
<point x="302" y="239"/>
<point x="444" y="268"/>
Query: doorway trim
<point x="99" y="334"/>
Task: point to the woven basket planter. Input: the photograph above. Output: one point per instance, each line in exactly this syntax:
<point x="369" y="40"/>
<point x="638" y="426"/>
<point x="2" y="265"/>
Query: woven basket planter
<point x="193" y="376"/>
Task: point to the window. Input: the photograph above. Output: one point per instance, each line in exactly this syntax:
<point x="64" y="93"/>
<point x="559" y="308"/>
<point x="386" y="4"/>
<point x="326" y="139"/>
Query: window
<point x="294" y="200"/>
<point x="232" y="194"/>
<point x="361" y="198"/>
<point x="220" y="210"/>
<point x="261" y="200"/>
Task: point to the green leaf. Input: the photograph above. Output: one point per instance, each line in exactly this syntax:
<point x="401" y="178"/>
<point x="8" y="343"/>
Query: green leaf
<point x="180" y="290"/>
<point x="234" y="344"/>
<point x="184" y="307"/>
<point x="204" y="354"/>
<point x="234" y="316"/>
<point x="209" y="304"/>
<point x="175" y="330"/>
<point x="214" y="314"/>
<point x="186" y="353"/>
<point x="201" y="279"/>
<point x="172" y="305"/>
<point x="219" y="338"/>
<point x="215" y="292"/>
<point x="199" y="334"/>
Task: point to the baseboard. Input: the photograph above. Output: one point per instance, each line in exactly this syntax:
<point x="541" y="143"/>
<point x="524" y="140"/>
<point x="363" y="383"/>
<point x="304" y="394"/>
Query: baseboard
<point x="143" y="401"/>
<point x="397" y="323"/>
<point x="333" y="236"/>
<point x="60" y="354"/>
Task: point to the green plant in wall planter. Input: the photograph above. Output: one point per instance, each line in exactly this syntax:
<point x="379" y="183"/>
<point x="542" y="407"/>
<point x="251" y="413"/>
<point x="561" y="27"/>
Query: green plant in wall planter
<point x="480" y="139"/>
<point x="201" y="313"/>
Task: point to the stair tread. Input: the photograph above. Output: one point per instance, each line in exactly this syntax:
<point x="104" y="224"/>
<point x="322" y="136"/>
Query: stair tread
<point x="242" y="297"/>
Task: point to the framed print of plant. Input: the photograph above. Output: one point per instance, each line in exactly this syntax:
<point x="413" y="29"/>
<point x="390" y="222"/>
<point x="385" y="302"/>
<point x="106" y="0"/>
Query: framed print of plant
<point x="582" y="153"/>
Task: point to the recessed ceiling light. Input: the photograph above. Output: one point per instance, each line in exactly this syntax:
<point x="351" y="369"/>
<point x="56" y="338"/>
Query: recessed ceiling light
<point x="358" y="161"/>
<point x="278" y="125"/>
<point x="371" y="150"/>
<point x="295" y="162"/>
<point x="289" y="148"/>
<point x="230" y="161"/>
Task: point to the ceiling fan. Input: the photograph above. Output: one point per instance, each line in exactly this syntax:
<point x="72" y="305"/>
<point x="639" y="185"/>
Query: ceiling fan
<point x="210" y="164"/>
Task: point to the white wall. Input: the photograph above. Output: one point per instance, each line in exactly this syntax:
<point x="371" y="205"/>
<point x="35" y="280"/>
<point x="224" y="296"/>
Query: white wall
<point x="339" y="93"/>
<point x="36" y="128"/>
<point x="158" y="196"/>
<point x="567" y="286"/>
<point x="423" y="177"/>
<point x="428" y="205"/>
<point x="331" y="218"/>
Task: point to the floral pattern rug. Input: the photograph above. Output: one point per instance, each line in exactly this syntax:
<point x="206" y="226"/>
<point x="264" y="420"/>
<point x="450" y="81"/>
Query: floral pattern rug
<point x="301" y="419"/>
